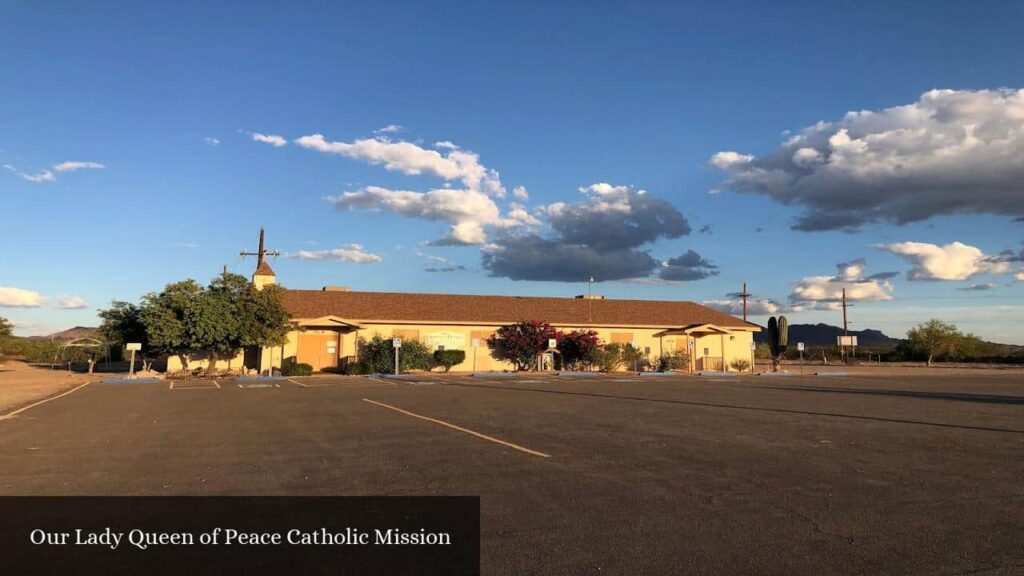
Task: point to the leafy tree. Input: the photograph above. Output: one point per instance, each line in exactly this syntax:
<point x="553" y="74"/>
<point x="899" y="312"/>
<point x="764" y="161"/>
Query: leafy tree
<point x="122" y="323"/>
<point x="448" y="358"/>
<point x="265" y="321"/>
<point x="575" y="347"/>
<point x="6" y="328"/>
<point x="169" y="317"/>
<point x="675" y="360"/>
<point x="633" y="358"/>
<point x="934" y="338"/>
<point x="520" y="343"/>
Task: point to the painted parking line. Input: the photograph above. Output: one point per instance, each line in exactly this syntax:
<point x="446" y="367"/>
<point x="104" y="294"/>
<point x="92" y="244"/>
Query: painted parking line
<point x="460" y="429"/>
<point x="194" y="386"/>
<point x="43" y="401"/>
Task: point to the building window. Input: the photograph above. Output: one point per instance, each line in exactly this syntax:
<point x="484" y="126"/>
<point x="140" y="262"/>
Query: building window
<point x="622" y="337"/>
<point x="407" y="334"/>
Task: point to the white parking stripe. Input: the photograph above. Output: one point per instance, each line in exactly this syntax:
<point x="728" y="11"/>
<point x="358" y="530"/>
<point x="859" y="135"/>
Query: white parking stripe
<point x="43" y="401"/>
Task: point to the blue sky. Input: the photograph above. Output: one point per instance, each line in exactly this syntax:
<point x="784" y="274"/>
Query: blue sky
<point x="128" y="135"/>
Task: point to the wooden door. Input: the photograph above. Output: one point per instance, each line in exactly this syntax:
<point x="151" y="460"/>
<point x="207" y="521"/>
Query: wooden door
<point x="318" y="350"/>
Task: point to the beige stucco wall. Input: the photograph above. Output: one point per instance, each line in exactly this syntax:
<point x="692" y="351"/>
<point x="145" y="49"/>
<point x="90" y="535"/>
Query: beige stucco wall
<point x="459" y="337"/>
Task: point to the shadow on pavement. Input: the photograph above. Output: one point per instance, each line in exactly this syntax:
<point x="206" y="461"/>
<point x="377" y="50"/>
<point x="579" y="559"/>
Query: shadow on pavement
<point x="957" y="397"/>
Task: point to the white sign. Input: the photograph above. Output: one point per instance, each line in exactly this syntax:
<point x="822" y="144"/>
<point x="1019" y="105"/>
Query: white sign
<point x="133" y="346"/>
<point x="847" y="340"/>
<point x="396" y="342"/>
<point x="691" y="344"/>
<point x="800" y="346"/>
<point x="446" y="340"/>
<point x="552" y="343"/>
<point x="635" y="345"/>
<point x="476" y="342"/>
<point x="753" y="345"/>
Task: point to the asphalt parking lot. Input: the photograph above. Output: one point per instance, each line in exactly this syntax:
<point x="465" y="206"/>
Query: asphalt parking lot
<point x="615" y="474"/>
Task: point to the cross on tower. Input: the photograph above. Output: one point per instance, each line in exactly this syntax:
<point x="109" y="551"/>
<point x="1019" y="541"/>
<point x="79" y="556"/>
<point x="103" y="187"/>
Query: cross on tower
<point x="261" y="252"/>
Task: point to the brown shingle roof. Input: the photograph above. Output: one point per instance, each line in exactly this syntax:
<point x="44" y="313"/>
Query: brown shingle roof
<point x="459" y="308"/>
<point x="264" y="269"/>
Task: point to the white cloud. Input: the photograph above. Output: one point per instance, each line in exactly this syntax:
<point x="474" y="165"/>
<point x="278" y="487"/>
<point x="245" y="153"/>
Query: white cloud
<point x="389" y="129"/>
<point x="272" y="139"/>
<point x="212" y="141"/>
<point x="71" y="303"/>
<point x="19" y="298"/>
<point x="826" y="292"/>
<point x="468" y="211"/>
<point x="729" y="159"/>
<point x="1020" y="276"/>
<point x="953" y="261"/>
<point x="51" y="174"/>
<point x="446" y="144"/>
<point x="72" y="166"/>
<point x="755" y="306"/>
<point x="412" y="159"/>
<point x="951" y="151"/>
<point x="347" y="253"/>
<point x="520" y="193"/>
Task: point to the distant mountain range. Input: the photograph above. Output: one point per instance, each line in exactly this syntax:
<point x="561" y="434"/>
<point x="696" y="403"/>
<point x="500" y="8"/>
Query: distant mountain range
<point x="825" y="335"/>
<point x="69" y="334"/>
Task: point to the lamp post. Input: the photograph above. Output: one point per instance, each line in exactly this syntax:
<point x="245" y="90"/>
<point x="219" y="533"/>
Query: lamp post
<point x="590" y="300"/>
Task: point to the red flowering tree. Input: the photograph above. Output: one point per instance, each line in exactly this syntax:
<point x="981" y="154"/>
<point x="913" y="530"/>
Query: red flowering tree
<point x="576" y="346"/>
<point x="520" y="343"/>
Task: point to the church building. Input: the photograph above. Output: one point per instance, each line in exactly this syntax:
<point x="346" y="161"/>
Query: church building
<point x="329" y="323"/>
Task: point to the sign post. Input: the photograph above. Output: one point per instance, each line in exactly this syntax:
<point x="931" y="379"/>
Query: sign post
<point x="753" y="358"/>
<point x="132" y="347"/>
<point x="691" y="347"/>
<point x="800" y="347"/>
<point x="476" y="344"/>
<point x="636" y="354"/>
<point x="397" y="344"/>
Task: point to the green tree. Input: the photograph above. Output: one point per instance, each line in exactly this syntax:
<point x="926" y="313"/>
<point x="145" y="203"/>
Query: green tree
<point x="934" y="338"/>
<point x="607" y="358"/>
<point x="6" y="328"/>
<point x="520" y="343"/>
<point x="122" y="323"/>
<point x="633" y="358"/>
<point x="265" y="321"/>
<point x="169" y="317"/>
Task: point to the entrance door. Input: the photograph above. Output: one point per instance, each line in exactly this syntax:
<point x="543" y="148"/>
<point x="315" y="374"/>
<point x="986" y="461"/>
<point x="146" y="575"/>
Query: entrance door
<point x="318" y="350"/>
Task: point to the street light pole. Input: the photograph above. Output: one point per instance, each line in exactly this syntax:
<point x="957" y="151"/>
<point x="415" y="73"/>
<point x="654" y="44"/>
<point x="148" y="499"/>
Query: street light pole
<point x="590" y="300"/>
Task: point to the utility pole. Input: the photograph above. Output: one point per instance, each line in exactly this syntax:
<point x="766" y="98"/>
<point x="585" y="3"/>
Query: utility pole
<point x="846" y="331"/>
<point x="744" y="295"/>
<point x="260" y="254"/>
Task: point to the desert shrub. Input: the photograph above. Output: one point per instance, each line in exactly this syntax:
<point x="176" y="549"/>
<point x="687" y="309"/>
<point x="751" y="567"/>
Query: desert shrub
<point x="607" y="358"/>
<point x="448" y="358"/>
<point x="355" y="369"/>
<point x="297" y="369"/>
<point x="676" y="360"/>
<point x="378" y="355"/>
<point x="740" y="364"/>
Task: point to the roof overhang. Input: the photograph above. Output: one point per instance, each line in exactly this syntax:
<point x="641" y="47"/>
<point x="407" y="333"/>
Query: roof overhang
<point x="696" y="329"/>
<point x="326" y="322"/>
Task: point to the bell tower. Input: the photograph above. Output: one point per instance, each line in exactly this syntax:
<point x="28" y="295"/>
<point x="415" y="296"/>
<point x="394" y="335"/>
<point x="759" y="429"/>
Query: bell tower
<point x="264" y="274"/>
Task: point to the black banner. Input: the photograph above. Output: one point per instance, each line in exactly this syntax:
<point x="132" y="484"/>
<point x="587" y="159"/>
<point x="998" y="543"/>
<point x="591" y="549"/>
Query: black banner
<point x="240" y="535"/>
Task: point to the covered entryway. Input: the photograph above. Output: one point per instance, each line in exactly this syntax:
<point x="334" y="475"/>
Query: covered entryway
<point x="320" y="342"/>
<point x="705" y="351"/>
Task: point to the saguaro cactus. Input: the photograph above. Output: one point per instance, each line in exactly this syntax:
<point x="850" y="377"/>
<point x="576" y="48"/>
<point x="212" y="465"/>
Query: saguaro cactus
<point x="778" y="339"/>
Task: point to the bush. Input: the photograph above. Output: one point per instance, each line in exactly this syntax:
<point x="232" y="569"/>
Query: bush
<point x="575" y="347"/>
<point x="740" y="365"/>
<point x="521" y="342"/>
<point x="607" y="358"/>
<point x="677" y="360"/>
<point x="378" y="355"/>
<point x="355" y="369"/>
<point x="297" y="369"/>
<point x="448" y="358"/>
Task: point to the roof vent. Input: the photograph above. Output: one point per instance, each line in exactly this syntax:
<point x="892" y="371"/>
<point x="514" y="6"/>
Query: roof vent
<point x="336" y="288"/>
<point x="591" y="297"/>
